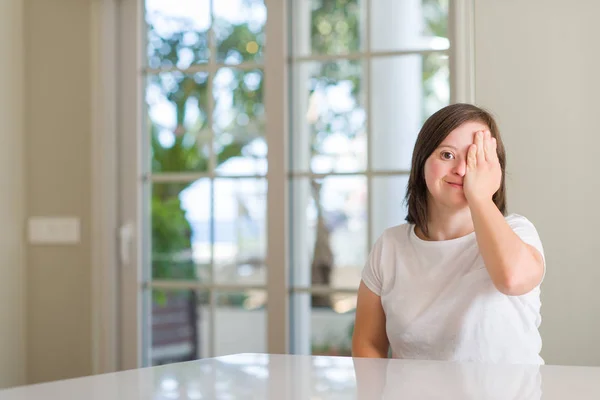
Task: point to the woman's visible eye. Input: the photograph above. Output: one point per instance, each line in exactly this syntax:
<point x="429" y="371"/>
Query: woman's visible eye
<point x="446" y="155"/>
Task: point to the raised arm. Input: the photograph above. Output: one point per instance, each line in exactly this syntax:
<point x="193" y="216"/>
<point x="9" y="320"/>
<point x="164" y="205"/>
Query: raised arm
<point x="514" y="266"/>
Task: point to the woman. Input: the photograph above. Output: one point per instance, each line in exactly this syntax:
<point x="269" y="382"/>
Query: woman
<point x="460" y="280"/>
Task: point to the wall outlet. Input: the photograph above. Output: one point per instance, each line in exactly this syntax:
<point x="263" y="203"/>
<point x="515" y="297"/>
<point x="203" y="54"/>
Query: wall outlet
<point x="54" y="230"/>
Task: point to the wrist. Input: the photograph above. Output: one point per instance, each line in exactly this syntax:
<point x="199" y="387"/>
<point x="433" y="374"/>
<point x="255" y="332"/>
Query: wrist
<point x="480" y="203"/>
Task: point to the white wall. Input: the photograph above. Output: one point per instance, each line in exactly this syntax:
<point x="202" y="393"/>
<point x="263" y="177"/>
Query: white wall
<point x="537" y="64"/>
<point x="12" y="265"/>
<point x="58" y="82"/>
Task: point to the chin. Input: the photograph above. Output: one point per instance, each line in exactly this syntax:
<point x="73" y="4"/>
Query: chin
<point x="456" y="204"/>
<point x="454" y="201"/>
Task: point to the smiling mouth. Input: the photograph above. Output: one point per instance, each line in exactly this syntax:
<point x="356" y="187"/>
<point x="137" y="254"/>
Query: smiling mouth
<point x="458" y="185"/>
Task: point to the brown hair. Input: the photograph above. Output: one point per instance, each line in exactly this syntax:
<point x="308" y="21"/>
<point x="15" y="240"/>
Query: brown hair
<point x="432" y="134"/>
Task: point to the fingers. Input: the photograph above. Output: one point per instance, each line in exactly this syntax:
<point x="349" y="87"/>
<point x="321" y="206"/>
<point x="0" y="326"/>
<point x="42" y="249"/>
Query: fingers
<point x="479" y="141"/>
<point x="494" y="149"/>
<point x="484" y="149"/>
<point x="488" y="143"/>
<point x="491" y="148"/>
<point x="472" y="157"/>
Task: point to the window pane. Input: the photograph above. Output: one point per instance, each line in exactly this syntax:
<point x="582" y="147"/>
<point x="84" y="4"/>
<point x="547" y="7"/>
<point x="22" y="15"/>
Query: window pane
<point x="405" y="91"/>
<point x="240" y="231"/>
<point x="436" y="83"/>
<point x="332" y="327"/>
<point x="240" y="322"/>
<point x="239" y="27"/>
<point x="328" y="114"/>
<point x="177" y="108"/>
<point x="409" y="25"/>
<point x="180" y="237"/>
<point x="177" y="32"/>
<point x="327" y="27"/>
<point x="388" y="194"/>
<point x="329" y="231"/>
<point x="239" y="122"/>
<point x="180" y="326"/>
<point x="322" y="330"/>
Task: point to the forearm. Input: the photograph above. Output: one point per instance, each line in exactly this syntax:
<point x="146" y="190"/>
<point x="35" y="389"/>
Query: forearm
<point x="510" y="262"/>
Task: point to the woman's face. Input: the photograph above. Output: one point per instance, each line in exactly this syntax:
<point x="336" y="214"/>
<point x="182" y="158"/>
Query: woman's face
<point x="446" y="167"/>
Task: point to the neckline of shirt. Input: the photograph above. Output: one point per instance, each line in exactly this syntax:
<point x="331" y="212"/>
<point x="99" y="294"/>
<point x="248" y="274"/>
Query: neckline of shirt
<point x="447" y="242"/>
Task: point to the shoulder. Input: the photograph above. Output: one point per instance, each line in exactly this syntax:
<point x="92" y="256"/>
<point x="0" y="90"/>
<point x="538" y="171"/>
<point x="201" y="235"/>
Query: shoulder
<point x="392" y="239"/>
<point x="396" y="234"/>
<point x="518" y="221"/>
<point x="525" y="229"/>
<point x="382" y="259"/>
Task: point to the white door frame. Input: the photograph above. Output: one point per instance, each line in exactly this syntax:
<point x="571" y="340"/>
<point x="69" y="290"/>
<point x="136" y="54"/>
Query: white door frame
<point x="461" y="29"/>
<point x="104" y="302"/>
<point x="115" y="247"/>
<point x="132" y="201"/>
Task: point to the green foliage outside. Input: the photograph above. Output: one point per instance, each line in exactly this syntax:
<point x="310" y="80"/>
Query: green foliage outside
<point x="335" y="29"/>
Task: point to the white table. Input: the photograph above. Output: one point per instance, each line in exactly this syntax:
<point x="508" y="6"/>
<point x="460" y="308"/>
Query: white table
<point x="261" y="376"/>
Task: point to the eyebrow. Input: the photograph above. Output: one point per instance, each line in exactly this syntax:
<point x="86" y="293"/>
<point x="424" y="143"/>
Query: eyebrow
<point x="447" y="145"/>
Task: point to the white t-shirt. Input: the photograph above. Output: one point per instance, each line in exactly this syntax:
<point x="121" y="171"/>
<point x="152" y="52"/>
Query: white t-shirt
<point x="440" y="302"/>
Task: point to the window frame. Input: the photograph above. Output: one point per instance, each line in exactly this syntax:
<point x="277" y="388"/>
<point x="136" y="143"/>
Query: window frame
<point x="118" y="302"/>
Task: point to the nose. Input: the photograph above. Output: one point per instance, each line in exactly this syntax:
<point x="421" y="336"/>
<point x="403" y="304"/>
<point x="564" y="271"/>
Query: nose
<point x="460" y="168"/>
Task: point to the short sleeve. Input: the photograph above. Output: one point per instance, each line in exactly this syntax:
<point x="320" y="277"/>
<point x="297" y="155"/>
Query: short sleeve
<point x="528" y="234"/>
<point x="371" y="274"/>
